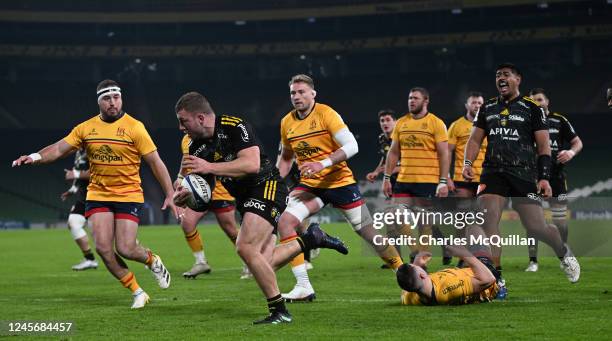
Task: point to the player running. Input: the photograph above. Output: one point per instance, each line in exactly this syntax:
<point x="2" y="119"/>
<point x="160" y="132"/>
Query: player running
<point x="224" y="208"/>
<point x="561" y="134"/>
<point x="517" y="164"/>
<point x="115" y="142"/>
<point x="227" y="147"/>
<point x="79" y="175"/>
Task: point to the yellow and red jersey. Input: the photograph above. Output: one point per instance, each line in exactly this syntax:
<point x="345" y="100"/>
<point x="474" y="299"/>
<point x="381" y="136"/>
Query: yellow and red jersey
<point x="114" y="150"/>
<point x="311" y="140"/>
<point x="458" y="134"/>
<point x="418" y="154"/>
<point x="220" y="192"/>
<point x="451" y="287"/>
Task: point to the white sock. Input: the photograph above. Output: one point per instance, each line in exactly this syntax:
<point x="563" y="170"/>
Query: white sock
<point x="301" y="275"/>
<point x="138" y="292"/>
<point x="199" y="257"/>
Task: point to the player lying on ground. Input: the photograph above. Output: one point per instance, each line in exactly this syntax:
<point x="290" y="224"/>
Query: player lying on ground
<point x="452" y="286"/>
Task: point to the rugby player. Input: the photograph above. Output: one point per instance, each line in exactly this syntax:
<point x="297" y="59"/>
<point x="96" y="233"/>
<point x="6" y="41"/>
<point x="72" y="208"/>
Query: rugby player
<point x="319" y="140"/>
<point x="79" y="175"/>
<point x="420" y="144"/>
<point x="517" y="164"/>
<point x="609" y="98"/>
<point x="561" y="134"/>
<point x="224" y="208"/>
<point x="115" y="142"/>
<point x="453" y="286"/>
<point x="226" y="146"/>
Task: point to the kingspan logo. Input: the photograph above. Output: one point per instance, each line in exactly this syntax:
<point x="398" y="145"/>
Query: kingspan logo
<point x="305" y="150"/>
<point x="106" y="154"/>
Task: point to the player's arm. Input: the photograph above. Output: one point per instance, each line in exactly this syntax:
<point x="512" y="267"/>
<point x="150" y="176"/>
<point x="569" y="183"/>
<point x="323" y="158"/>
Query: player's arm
<point x="348" y="148"/>
<point x="48" y="154"/>
<point x="74" y="174"/>
<point x="451" y="161"/>
<point x="483" y="278"/>
<point x="379" y="168"/>
<point x="393" y="156"/>
<point x="284" y="160"/>
<point x="569" y="133"/>
<point x="163" y="177"/>
<point x="444" y="164"/>
<point x="472" y="148"/>
<point x="247" y="162"/>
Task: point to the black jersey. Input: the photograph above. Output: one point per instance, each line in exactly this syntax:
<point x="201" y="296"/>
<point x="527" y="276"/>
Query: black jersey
<point x="384" y="144"/>
<point x="509" y="128"/>
<point x="81" y="164"/>
<point x="231" y="135"/>
<point x="561" y="133"/>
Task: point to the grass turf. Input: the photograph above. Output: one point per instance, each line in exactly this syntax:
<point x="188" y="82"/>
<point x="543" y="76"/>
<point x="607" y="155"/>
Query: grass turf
<point x="356" y="299"/>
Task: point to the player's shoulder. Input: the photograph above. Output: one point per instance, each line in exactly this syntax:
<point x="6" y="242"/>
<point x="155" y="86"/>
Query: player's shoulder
<point x="434" y="118"/>
<point x="489" y="103"/>
<point x="321" y="108"/>
<point x="460" y="120"/>
<point x="230" y="120"/>
<point x="530" y="102"/>
<point x="558" y="116"/>
<point x="289" y="117"/>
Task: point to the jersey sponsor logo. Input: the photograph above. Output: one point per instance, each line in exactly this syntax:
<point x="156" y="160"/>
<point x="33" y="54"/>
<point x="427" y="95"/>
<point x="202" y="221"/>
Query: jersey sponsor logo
<point x="503" y="132"/>
<point x="516" y="118"/>
<point x="522" y="104"/>
<point x="221" y="136"/>
<point x="553" y="130"/>
<point x="424" y="126"/>
<point x="257" y="204"/>
<point x="487" y="106"/>
<point x="199" y="150"/>
<point x="106" y="154"/>
<point x="554" y="120"/>
<point x="412" y="141"/>
<point x="217" y="156"/>
<point x="554" y="145"/>
<point x="93" y="132"/>
<point x="120" y="131"/>
<point x="534" y="197"/>
<point x="304" y="150"/>
<point x="452" y="287"/>
<point x="313" y="125"/>
<point x="492" y="117"/>
<point x="505" y="112"/>
<point x="245" y="134"/>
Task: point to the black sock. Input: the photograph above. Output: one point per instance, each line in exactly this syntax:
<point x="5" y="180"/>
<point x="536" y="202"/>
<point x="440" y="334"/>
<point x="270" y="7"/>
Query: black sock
<point x="307" y="256"/>
<point x="306" y="242"/>
<point x="533" y="259"/>
<point x="88" y="255"/>
<point x="276" y="303"/>
<point x="499" y="269"/>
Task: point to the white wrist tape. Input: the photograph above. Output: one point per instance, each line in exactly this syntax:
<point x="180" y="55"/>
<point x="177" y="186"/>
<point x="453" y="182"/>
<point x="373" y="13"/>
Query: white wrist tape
<point x="326" y="163"/>
<point x="76" y="173"/>
<point x="35" y="157"/>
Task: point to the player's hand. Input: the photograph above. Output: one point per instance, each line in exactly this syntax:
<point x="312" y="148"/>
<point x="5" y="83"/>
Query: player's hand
<point x="69" y="174"/>
<point x="22" y="160"/>
<point x="468" y="173"/>
<point x="544" y="188"/>
<point x="169" y="203"/>
<point x="65" y="195"/>
<point x="387" y="188"/>
<point x="565" y="156"/>
<point x="309" y="169"/>
<point x="442" y="190"/>
<point x="176" y="184"/>
<point x="422" y="258"/>
<point x="451" y="185"/>
<point x="180" y="196"/>
<point x="371" y="176"/>
<point x="197" y="165"/>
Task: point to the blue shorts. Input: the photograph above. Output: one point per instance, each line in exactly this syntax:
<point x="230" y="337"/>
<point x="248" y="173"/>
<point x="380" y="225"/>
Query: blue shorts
<point x="122" y="210"/>
<point x="220" y="206"/>
<point x="345" y="197"/>
<point x="415" y="190"/>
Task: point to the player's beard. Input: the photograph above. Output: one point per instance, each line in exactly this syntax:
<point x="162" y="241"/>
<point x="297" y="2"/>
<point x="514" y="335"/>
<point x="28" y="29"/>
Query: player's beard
<point x="417" y="110"/>
<point x="107" y="117"/>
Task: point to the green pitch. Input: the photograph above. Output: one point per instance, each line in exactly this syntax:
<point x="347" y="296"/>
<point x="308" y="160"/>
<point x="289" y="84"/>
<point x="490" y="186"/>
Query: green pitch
<point x="355" y="300"/>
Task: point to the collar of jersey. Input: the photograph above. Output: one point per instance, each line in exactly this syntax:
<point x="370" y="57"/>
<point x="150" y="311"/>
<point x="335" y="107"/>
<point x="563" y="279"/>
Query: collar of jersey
<point x="297" y="117"/>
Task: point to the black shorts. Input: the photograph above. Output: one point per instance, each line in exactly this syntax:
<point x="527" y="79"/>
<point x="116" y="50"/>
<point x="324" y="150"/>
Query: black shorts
<point x="509" y="186"/>
<point x="220" y="206"/>
<point x="122" y="210"/>
<point x="416" y="190"/>
<point x="472" y="186"/>
<point x="267" y="200"/>
<point x="558" y="183"/>
<point x="79" y="203"/>
<point x="345" y="197"/>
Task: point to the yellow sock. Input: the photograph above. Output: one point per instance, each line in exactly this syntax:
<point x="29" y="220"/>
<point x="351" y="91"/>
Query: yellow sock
<point x="195" y="241"/>
<point x="424" y="231"/>
<point x="297" y="260"/>
<point x="390" y="256"/>
<point x="129" y="281"/>
<point x="405" y="230"/>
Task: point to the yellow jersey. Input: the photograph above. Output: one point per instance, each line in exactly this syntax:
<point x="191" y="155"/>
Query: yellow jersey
<point x="458" y="134"/>
<point x="114" y="150"/>
<point x="311" y="140"/>
<point x="220" y="192"/>
<point x="451" y="287"/>
<point x="418" y="155"/>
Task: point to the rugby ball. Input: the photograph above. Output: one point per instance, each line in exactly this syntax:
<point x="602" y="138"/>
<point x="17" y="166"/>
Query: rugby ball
<point x="200" y="189"/>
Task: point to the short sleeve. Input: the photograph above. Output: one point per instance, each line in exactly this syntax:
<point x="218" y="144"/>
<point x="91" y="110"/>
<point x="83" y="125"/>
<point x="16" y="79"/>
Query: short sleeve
<point x="481" y="119"/>
<point x="395" y="132"/>
<point x="538" y="118"/>
<point x="452" y="135"/>
<point x="567" y="130"/>
<point x="242" y="136"/>
<point x="283" y="134"/>
<point x="333" y="122"/>
<point x="75" y="138"/>
<point x="440" y="134"/>
<point x="142" y="140"/>
<point x="185" y="144"/>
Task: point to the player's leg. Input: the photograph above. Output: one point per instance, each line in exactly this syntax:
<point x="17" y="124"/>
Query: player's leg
<point x="76" y="224"/>
<point x="254" y="232"/>
<point x="189" y="225"/>
<point x="225" y="213"/>
<point x="126" y="231"/>
<point x="301" y="205"/>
